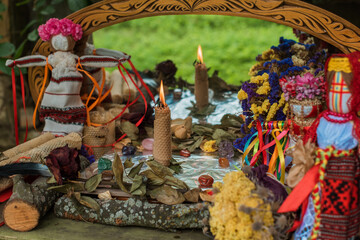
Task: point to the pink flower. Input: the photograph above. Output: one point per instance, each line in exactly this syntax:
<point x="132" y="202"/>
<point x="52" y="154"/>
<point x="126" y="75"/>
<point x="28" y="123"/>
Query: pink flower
<point x="44" y="35"/>
<point x="52" y="26"/>
<point x="77" y="32"/>
<point x="64" y="26"/>
<point x="306" y="79"/>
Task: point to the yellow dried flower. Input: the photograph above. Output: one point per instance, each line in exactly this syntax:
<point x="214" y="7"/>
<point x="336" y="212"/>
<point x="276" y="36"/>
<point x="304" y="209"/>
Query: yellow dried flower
<point x="242" y="95"/>
<point x="265" y="105"/>
<point x="259" y="79"/>
<point x="269" y="55"/>
<point x="209" y="146"/>
<point x="281" y="101"/>
<point x="253" y="108"/>
<point x="254" y="69"/>
<point x="218" y="185"/>
<point x="272" y="112"/>
<point x="286" y="108"/>
<point x="227" y="221"/>
<point x="264" y="89"/>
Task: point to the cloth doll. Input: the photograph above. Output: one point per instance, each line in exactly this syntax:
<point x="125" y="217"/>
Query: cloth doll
<point x="329" y="192"/>
<point x="61" y="107"/>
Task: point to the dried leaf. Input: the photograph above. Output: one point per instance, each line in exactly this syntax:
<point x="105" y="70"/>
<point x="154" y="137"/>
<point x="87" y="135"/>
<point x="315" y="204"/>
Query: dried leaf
<point x="128" y="163"/>
<point x="135" y="170"/>
<point x="192" y="195"/>
<point x="220" y="134"/>
<point x="196" y="144"/>
<point x="88" y="202"/>
<point x="159" y="169"/>
<point x="76" y="186"/>
<point x="229" y="120"/>
<point x="105" y="196"/>
<point x="60" y="188"/>
<point x="153" y="179"/>
<point x="92" y="183"/>
<point x="51" y="180"/>
<point x="130" y="129"/>
<point x="202" y="130"/>
<point x="138" y="188"/>
<point x="173" y="181"/>
<point x="175" y="166"/>
<point x="167" y="195"/>
<point x="137" y="181"/>
<point x="141" y="191"/>
<point x="118" y="170"/>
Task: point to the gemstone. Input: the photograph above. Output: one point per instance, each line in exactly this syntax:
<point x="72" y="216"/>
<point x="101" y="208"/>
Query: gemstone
<point x="206" y="181"/>
<point x="128" y="150"/>
<point x="148" y="144"/>
<point x="223" y="162"/>
<point x="185" y="153"/>
<point x="104" y="164"/>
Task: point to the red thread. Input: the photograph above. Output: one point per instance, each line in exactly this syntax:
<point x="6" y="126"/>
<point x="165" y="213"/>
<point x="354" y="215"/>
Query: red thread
<point x="15" y="105"/>
<point x="24" y="105"/>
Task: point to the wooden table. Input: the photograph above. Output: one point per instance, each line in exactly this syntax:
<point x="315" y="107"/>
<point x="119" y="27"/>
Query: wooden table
<point x="52" y="228"/>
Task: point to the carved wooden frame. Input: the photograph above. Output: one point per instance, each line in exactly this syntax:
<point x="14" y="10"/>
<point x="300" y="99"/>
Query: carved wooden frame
<point x="293" y="13"/>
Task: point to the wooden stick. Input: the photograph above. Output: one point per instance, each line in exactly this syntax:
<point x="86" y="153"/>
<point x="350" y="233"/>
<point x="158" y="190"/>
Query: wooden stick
<point x="135" y="212"/>
<point x="28" y="203"/>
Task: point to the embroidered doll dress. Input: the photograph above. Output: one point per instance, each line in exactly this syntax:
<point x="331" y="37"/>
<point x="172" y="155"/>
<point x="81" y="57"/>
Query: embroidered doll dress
<point x="333" y="206"/>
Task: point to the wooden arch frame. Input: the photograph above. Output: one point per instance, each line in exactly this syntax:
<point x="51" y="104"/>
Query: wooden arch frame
<point x="293" y="13"/>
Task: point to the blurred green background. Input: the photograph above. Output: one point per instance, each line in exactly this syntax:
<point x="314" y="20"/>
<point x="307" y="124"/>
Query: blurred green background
<point x="229" y="44"/>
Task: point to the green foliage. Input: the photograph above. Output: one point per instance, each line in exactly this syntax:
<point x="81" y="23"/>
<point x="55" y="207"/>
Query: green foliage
<point x="229" y="44"/>
<point x="77" y="5"/>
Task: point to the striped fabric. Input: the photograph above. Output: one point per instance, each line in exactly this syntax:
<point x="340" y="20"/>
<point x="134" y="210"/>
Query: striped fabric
<point x="339" y="94"/>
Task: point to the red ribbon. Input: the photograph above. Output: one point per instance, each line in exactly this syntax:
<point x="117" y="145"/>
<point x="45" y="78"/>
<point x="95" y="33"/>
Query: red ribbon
<point x="23" y="100"/>
<point x="141" y="80"/>
<point x="301" y="192"/>
<point x="15" y="106"/>
<point x="261" y="141"/>
<point x="142" y="95"/>
<point x="16" y="123"/>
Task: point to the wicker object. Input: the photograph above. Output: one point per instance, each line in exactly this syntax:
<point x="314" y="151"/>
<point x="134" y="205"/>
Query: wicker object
<point x="39" y="153"/>
<point x="162" y="136"/>
<point x="27" y="146"/>
<point x="100" y="138"/>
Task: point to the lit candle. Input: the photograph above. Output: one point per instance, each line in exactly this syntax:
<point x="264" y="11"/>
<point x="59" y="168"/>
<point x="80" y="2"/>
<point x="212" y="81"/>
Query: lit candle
<point x="201" y="82"/>
<point x="162" y="133"/>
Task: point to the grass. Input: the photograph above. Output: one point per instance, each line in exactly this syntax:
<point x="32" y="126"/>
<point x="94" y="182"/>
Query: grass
<point x="229" y="44"/>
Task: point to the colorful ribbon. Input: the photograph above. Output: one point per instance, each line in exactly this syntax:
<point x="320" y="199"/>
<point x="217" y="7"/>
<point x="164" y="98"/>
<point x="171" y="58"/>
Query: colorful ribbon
<point x="256" y="143"/>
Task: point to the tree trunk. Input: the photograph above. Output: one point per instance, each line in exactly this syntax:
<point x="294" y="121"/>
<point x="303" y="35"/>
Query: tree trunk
<point x="135" y="212"/>
<point x="28" y="203"/>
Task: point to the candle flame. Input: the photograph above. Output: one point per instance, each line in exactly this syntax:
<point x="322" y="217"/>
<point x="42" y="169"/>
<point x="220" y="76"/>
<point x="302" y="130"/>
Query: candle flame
<point x="161" y="94"/>
<point x="200" y="56"/>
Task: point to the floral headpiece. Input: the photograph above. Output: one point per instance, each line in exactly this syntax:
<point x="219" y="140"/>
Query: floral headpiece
<point x="64" y="26"/>
<point x="300" y="87"/>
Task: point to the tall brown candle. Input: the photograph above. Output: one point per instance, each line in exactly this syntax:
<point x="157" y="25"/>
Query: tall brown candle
<point x="201" y="82"/>
<point x="162" y="132"/>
